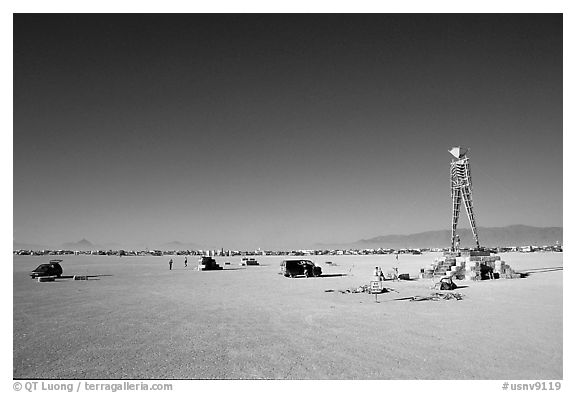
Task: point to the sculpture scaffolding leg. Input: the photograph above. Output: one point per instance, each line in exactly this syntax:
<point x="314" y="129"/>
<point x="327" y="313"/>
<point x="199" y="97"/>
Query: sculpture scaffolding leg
<point x="467" y="196"/>
<point x="456" y="200"/>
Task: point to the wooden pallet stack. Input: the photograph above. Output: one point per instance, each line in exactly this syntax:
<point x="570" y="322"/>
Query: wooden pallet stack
<point x="469" y="265"/>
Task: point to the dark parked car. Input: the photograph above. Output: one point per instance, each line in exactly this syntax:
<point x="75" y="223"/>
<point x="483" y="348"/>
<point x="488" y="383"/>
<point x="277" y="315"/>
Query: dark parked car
<point x="299" y="267"/>
<point x="208" y="263"/>
<point x="250" y="262"/>
<point x="51" y="268"/>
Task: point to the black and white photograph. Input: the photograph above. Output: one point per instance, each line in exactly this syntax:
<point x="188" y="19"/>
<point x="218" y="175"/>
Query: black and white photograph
<point x="287" y="196"/>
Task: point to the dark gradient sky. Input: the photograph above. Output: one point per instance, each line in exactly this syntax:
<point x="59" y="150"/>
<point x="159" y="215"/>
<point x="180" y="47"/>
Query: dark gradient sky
<point x="280" y="131"/>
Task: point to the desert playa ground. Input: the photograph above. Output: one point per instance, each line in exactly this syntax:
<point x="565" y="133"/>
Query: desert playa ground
<point x="136" y="319"/>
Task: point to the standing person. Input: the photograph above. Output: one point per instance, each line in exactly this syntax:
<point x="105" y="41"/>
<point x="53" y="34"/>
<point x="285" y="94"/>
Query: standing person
<point x="377" y="273"/>
<point x="170" y="263"/>
<point x="185" y="261"/>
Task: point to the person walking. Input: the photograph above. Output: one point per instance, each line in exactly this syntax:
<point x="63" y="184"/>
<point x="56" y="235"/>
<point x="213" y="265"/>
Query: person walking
<point x="170" y="263"/>
<point x="185" y="261"/>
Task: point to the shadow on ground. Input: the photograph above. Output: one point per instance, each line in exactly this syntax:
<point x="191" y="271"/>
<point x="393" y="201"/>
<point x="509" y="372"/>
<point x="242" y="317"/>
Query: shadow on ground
<point x="322" y="275"/>
<point x="526" y="273"/>
<point x="333" y="275"/>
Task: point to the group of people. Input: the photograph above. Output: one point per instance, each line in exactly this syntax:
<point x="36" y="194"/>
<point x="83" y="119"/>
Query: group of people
<point x="379" y="274"/>
<point x="170" y="262"/>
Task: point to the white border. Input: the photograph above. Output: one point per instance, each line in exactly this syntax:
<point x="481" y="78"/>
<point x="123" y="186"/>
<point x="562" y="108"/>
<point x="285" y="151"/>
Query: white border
<point x="246" y="6"/>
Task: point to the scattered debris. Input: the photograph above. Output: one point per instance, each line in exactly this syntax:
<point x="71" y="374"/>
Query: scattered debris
<point x="362" y="289"/>
<point x="435" y="296"/>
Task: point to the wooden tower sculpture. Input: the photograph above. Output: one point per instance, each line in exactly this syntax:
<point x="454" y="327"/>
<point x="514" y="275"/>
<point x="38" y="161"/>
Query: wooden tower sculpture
<point x="461" y="185"/>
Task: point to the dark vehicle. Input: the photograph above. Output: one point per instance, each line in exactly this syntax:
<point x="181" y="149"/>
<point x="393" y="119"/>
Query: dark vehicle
<point x="208" y="263"/>
<point x="51" y="268"/>
<point x="250" y="262"/>
<point x="299" y="267"/>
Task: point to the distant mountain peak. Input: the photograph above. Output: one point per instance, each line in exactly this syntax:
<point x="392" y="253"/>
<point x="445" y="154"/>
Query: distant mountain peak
<point x="79" y="244"/>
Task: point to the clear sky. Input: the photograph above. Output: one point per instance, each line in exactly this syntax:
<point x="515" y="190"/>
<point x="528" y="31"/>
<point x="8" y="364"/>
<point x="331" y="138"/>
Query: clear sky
<point x="280" y="131"/>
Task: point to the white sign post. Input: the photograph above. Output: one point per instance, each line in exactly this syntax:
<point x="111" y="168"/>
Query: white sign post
<point x="376" y="288"/>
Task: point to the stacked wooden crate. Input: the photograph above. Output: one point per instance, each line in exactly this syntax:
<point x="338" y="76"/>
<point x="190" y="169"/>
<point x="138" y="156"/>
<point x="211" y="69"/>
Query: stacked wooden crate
<point x="442" y="266"/>
<point x="469" y="267"/>
<point x="484" y="267"/>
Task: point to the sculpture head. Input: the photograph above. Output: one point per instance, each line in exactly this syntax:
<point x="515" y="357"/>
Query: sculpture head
<point x="458" y="152"/>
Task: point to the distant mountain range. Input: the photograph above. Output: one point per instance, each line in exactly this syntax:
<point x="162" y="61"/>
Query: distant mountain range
<point x="513" y="235"/>
<point x="86" y="245"/>
<point x="176" y="245"/>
